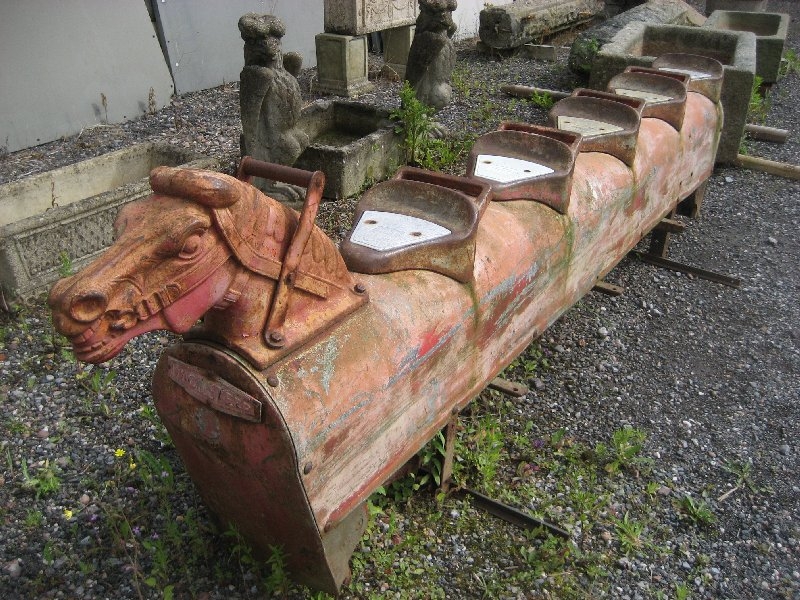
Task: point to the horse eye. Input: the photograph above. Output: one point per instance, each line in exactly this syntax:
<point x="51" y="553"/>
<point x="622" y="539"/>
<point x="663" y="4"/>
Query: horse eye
<point x="191" y="246"/>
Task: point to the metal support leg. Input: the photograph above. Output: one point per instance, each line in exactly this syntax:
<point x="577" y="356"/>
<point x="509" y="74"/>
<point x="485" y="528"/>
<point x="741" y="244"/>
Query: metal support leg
<point x="691" y="205"/>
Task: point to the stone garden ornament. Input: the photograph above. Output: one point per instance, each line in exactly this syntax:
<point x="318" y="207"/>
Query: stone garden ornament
<point x="270" y="99"/>
<point x="433" y="55"/>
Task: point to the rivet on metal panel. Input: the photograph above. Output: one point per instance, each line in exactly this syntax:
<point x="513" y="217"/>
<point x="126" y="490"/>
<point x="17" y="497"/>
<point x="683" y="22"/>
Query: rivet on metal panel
<point x="272" y="380"/>
<point x="360" y="288"/>
<point x="307" y="468"/>
<point x="275" y="339"/>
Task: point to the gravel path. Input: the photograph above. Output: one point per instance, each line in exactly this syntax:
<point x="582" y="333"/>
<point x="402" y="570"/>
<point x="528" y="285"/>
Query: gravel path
<point x="94" y="502"/>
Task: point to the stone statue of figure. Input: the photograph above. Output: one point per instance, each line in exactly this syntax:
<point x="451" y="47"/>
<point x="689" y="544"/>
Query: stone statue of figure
<point x="433" y="55"/>
<point x="269" y="95"/>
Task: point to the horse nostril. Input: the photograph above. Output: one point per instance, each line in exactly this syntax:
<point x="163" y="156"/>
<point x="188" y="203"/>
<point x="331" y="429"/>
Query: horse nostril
<point x="88" y="307"/>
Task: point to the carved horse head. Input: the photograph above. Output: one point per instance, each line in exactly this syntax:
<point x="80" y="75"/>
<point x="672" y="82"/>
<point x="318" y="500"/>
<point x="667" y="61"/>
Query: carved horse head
<point x="208" y="244"/>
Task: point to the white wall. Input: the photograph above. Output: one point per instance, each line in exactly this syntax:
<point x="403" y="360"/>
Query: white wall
<point x="466" y="16"/>
<point x="60" y="60"/>
<point x="57" y="58"/>
<point x="203" y="42"/>
<point x="205" y="49"/>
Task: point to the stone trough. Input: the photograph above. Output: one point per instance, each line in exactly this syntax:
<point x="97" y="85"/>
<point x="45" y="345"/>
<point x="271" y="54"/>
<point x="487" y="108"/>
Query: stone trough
<point x="69" y="212"/>
<point x="742" y="5"/>
<point x="639" y="44"/>
<point x="770" y="30"/>
<point x="353" y="144"/>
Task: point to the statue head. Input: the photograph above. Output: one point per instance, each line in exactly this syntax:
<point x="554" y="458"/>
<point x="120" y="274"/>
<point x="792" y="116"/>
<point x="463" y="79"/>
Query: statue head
<point x="262" y="39"/>
<point x="436" y="16"/>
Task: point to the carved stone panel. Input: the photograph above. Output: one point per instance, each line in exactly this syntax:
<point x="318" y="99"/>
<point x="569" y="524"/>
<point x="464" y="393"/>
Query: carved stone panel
<point x="357" y="17"/>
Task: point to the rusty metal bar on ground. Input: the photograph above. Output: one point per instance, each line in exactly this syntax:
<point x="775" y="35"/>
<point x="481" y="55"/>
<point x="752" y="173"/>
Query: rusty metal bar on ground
<point x="766" y="134"/>
<point x="509" y="388"/>
<point x="768" y="166"/>
<point x="609" y="289"/>
<point x="513" y="515"/>
<point x="672" y="265"/>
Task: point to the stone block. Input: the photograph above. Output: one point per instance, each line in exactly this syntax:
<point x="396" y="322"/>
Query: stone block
<point x="538" y="52"/>
<point x="342" y="64"/>
<point x="396" y="44"/>
<point x="641" y="43"/>
<point x="524" y="21"/>
<point x="589" y="42"/>
<point x="742" y="5"/>
<point x="357" y="17"/>
<point x="71" y="210"/>
<point x="770" y="30"/>
<point x="353" y="144"/>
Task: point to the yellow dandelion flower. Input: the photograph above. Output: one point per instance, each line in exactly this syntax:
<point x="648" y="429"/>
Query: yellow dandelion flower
<point x="119" y="452"/>
<point x="67" y="514"/>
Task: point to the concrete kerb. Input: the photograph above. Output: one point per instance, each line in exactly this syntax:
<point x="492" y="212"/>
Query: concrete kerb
<point x="641" y="43"/>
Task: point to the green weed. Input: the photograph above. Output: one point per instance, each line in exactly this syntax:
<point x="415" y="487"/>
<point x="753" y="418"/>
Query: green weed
<point x="33" y="518"/>
<point x="422" y="147"/>
<point x="542" y="100"/>
<point x="65" y="266"/>
<point x="744" y="479"/>
<point x="624" y="453"/>
<point x="682" y="591"/>
<point x="481" y="447"/>
<point x="149" y="414"/>
<point x="789" y="64"/>
<point x="100" y="382"/>
<point x="44" y="483"/>
<point x="630" y="534"/>
<point x="698" y="511"/>
<point x="758" y="108"/>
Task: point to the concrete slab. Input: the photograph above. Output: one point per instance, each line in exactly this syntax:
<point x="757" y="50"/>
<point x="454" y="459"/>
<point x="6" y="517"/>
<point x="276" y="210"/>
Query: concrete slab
<point x="640" y="44"/>
<point x="71" y="210"/>
<point x="770" y="30"/>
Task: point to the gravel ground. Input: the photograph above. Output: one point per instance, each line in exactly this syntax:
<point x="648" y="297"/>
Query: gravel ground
<point x="94" y="502"/>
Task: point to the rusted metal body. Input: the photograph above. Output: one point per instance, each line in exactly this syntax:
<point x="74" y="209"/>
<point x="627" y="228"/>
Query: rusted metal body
<point x="296" y="397"/>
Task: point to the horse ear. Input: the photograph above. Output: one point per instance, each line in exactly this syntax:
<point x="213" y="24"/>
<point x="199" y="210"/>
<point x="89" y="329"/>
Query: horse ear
<point x="208" y="188"/>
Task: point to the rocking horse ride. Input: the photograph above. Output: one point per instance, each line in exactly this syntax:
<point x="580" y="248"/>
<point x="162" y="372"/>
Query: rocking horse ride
<point x="315" y="373"/>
